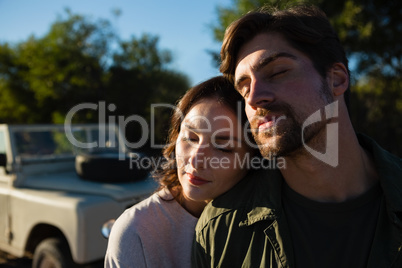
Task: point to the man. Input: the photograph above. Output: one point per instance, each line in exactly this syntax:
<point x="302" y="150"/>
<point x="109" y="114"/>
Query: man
<point x="338" y="200"/>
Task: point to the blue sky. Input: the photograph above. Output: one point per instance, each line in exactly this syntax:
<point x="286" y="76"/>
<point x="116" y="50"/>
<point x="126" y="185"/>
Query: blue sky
<point x="182" y="25"/>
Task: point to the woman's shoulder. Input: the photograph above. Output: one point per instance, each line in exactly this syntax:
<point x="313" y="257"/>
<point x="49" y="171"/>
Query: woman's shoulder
<point x="127" y="235"/>
<point x="154" y="202"/>
<point x="132" y="220"/>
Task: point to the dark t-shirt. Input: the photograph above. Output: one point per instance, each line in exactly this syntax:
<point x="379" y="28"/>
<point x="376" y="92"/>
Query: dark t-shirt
<point x="332" y="234"/>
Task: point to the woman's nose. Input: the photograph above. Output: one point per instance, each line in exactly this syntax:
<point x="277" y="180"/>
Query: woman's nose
<point x="198" y="158"/>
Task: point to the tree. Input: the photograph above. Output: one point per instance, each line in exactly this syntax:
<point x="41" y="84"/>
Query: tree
<point x="41" y="79"/>
<point x="46" y="76"/>
<point x="371" y="32"/>
<point x="13" y="88"/>
<point x="139" y="78"/>
<point x="378" y="114"/>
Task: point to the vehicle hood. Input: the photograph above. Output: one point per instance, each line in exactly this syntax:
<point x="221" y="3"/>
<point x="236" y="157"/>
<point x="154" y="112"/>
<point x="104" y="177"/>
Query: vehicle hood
<point x="71" y="182"/>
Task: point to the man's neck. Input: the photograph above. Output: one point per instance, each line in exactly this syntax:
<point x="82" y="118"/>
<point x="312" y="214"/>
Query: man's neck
<point x="316" y="180"/>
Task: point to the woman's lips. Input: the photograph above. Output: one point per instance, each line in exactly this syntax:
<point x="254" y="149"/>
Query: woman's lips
<point x="196" y="180"/>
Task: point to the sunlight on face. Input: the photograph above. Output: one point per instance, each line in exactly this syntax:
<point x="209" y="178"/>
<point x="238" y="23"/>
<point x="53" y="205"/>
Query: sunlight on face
<point x="209" y="150"/>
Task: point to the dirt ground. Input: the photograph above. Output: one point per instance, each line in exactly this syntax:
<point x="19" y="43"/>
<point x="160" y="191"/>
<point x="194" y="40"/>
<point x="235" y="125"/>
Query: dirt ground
<point x="7" y="261"/>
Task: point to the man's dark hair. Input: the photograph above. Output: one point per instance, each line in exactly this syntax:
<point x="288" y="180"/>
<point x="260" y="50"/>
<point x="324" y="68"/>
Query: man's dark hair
<point x="306" y="28"/>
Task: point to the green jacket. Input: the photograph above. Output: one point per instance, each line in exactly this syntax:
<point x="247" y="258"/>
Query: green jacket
<point x="246" y="226"/>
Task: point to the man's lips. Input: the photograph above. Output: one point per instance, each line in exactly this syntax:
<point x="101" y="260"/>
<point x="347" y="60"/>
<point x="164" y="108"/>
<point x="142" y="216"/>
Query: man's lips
<point x="267" y="123"/>
<point x="264" y="125"/>
<point x="196" y="180"/>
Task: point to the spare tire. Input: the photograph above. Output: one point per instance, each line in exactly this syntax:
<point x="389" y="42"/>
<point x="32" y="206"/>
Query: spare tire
<point x="109" y="167"/>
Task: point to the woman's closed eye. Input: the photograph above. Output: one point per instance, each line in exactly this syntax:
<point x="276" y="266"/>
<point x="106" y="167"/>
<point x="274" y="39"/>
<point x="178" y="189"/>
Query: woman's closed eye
<point x="190" y="139"/>
<point x="224" y="147"/>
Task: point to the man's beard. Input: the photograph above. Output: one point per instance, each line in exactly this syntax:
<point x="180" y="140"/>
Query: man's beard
<point x="285" y="137"/>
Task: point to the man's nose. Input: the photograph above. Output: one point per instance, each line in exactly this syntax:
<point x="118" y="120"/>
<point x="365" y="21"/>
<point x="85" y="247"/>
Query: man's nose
<point x="260" y="94"/>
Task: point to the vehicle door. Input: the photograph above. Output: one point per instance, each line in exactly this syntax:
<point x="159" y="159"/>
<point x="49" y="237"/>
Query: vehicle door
<point x="4" y="190"/>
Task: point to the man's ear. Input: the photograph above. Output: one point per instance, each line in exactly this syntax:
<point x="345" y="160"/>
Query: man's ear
<point x="338" y="79"/>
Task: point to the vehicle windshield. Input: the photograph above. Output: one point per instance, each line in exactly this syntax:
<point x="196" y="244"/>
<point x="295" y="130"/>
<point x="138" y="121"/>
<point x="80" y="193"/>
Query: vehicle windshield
<point x="56" y="141"/>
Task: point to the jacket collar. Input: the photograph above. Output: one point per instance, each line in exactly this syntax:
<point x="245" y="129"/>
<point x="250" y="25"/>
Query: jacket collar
<point x="265" y="205"/>
<point x="268" y="205"/>
<point x="389" y="168"/>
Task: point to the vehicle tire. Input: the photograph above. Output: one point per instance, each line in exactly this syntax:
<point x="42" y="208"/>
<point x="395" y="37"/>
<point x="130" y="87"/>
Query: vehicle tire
<point x="52" y="253"/>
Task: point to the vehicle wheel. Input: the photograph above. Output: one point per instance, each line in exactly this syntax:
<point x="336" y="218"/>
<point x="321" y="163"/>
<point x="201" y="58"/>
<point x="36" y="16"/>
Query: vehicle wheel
<point x="52" y="253"/>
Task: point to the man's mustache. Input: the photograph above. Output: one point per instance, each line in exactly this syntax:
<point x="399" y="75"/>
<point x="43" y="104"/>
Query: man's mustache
<point x="273" y="108"/>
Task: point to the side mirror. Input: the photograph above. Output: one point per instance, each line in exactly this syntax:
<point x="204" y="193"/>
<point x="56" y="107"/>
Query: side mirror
<point x="3" y="160"/>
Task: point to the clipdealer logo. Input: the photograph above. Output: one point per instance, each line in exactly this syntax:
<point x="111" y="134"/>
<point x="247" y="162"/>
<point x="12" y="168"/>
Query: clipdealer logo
<point x="331" y="155"/>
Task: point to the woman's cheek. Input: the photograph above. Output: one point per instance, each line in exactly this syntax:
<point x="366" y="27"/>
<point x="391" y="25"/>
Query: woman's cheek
<point x="182" y="148"/>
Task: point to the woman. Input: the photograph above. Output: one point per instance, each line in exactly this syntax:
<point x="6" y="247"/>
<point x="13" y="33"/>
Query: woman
<point x="205" y="149"/>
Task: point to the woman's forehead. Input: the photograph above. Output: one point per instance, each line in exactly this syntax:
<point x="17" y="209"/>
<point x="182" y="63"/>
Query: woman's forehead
<point x="209" y="111"/>
<point x="210" y="116"/>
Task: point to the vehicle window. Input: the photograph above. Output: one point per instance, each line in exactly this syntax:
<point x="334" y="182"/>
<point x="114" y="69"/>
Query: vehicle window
<point x="99" y="138"/>
<point x="37" y="143"/>
<point x="106" y="139"/>
<point x="2" y="142"/>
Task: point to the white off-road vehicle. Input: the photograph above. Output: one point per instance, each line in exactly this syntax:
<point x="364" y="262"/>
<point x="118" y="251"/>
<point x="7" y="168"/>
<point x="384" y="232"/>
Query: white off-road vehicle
<point x="59" y="185"/>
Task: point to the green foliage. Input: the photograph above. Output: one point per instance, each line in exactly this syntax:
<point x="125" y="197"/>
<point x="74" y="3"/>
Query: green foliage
<point x="142" y="54"/>
<point x="371" y="32"/>
<point x="41" y="79"/>
<point x="47" y="76"/>
<point x="377" y="110"/>
<point x="226" y="15"/>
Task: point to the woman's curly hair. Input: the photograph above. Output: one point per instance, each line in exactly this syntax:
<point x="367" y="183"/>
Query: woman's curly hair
<point x="217" y="89"/>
